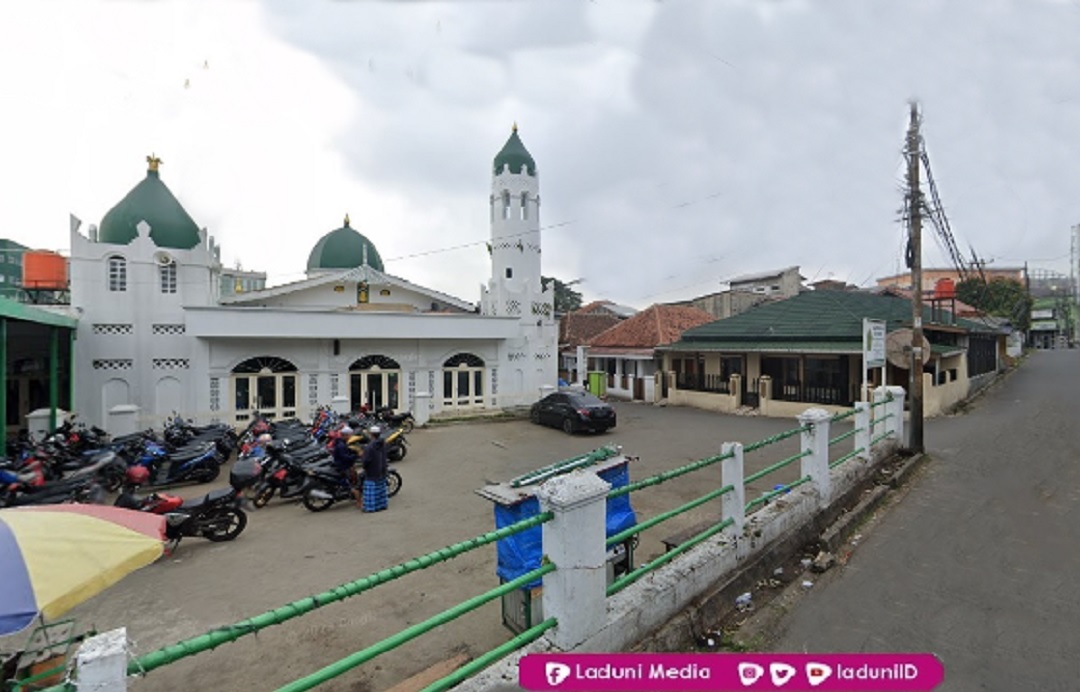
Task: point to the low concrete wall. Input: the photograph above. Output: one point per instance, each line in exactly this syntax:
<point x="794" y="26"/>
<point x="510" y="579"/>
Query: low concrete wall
<point x="791" y="409"/>
<point x="722" y="403"/>
<point x="940" y="398"/>
<point x="645" y="615"/>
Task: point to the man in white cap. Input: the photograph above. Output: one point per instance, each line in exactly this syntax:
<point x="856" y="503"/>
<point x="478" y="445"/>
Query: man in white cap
<point x="345" y="459"/>
<point x="375" y="498"/>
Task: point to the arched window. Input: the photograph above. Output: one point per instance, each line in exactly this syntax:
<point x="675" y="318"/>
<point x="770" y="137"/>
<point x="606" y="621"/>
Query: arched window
<point x="374" y="381"/>
<point x="506" y="204"/>
<point x="167" y="277"/>
<point x="524" y="205"/>
<point x="266" y="384"/>
<point x="463" y="381"/>
<point x="117" y="268"/>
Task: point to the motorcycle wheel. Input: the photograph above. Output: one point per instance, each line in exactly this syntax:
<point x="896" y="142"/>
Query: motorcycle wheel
<point x="112" y="479"/>
<point x="408" y="425"/>
<point x="263" y="496"/>
<point x="318" y="504"/>
<point x="393" y="483"/>
<point x="225" y="526"/>
<point x="207" y="473"/>
<point x="397" y="452"/>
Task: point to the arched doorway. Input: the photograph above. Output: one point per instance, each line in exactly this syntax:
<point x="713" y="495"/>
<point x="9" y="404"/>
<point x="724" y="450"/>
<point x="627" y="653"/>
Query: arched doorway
<point x="266" y="384"/>
<point x="375" y="381"/>
<point x="463" y="381"/>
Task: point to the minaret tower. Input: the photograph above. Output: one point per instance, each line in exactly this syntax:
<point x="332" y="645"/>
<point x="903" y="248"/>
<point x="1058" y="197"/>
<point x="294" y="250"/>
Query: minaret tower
<point x="515" y="288"/>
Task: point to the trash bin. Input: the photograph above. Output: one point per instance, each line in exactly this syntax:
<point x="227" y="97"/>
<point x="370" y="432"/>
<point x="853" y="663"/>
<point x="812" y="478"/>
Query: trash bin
<point x="516" y="500"/>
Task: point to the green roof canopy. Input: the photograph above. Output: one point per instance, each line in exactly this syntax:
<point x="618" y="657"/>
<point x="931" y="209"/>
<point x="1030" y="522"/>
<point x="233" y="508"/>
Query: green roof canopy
<point x="515" y="155"/>
<point x="826" y="317"/>
<point x="344" y="248"/>
<point x="153" y="202"/>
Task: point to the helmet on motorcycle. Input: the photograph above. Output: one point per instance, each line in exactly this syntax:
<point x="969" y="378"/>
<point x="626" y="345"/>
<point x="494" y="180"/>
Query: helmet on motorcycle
<point x="137" y="475"/>
<point x="375" y="430"/>
<point x="265" y="438"/>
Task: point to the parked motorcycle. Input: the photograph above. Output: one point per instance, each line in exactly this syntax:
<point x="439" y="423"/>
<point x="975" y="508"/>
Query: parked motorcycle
<point x="216" y="516"/>
<point x="283" y="475"/>
<point x="201" y="464"/>
<point x="403" y="420"/>
<point x="329" y="486"/>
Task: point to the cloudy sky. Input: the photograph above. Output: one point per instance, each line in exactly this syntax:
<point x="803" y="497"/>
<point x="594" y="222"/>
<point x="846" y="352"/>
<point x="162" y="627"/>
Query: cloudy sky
<point x="679" y="143"/>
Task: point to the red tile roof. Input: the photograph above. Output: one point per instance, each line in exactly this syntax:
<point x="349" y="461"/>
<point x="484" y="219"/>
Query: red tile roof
<point x="656" y="326"/>
<point x="577" y="327"/>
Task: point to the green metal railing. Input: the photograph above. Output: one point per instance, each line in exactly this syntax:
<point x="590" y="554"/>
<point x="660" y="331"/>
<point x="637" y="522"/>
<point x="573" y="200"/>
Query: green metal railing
<point x="660" y="518"/>
<point x="776" y="467"/>
<point x="632" y="576"/>
<point x="764" y="499"/>
<point x="483" y="661"/>
<point x="559" y="467"/>
<point x="665" y="476"/>
<point x="33" y="681"/>
<point x="850" y="455"/>
<point x="409" y="633"/>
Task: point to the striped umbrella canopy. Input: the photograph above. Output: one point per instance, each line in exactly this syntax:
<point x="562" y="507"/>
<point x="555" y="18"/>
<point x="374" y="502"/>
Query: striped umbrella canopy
<point x="53" y="557"/>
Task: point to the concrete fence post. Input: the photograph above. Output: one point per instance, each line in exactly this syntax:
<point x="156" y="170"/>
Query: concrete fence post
<point x="575" y="594"/>
<point x="733" y="504"/>
<point x="815" y="441"/>
<point x="422" y="414"/>
<point x="341" y="405"/>
<point x="896" y="407"/>
<point x="101" y="662"/>
<point x="735" y="389"/>
<point x="862" y="429"/>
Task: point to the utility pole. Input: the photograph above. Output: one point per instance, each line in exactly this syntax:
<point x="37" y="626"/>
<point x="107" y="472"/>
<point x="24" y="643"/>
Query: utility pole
<point x="915" y="202"/>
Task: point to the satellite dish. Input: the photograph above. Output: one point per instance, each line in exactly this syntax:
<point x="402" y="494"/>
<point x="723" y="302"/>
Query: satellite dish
<point x="163" y="258"/>
<point x="898" y="349"/>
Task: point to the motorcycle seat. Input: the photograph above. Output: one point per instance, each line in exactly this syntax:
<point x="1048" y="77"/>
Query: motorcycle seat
<point x="210" y="498"/>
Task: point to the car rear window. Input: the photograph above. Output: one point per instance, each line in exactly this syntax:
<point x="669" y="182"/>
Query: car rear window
<point x="585" y="400"/>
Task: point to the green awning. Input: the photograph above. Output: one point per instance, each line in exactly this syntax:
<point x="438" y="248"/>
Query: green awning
<point x="14" y="310"/>
<point x="848" y="347"/>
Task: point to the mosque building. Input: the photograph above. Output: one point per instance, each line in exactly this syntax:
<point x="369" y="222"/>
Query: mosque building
<point x="155" y="330"/>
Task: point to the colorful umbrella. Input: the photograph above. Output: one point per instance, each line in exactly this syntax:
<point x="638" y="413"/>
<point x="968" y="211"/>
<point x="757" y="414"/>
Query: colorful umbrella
<point x="53" y="557"/>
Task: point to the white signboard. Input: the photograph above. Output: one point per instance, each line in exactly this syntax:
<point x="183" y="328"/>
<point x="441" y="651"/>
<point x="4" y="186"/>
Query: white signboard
<point x="873" y="343"/>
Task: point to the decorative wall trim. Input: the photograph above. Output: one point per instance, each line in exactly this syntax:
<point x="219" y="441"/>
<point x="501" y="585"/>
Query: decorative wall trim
<point x="167" y="329"/>
<point x="112" y="364"/>
<point x="215" y="394"/>
<point x="112" y="329"/>
<point x="170" y="363"/>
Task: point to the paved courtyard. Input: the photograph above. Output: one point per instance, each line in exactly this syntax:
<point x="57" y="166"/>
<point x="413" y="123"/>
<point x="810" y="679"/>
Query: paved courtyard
<point x="288" y="553"/>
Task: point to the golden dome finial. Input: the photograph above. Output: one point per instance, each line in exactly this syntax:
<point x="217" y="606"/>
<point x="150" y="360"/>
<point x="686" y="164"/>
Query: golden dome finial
<point x="515" y="126"/>
<point x="346" y="219"/>
<point x="154" y="162"/>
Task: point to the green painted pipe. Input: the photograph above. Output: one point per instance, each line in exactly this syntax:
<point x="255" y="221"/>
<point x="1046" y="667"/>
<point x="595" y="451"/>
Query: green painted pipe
<point x="847" y="456"/>
<point x="409" y="633"/>
<point x="841" y="438"/>
<point x="480" y="662"/>
<point x="222" y="635"/>
<point x="631" y="577"/>
<point x="597" y="455"/>
<point x="842" y="416"/>
<point x="775" y="467"/>
<point x="649" y="523"/>
<point x="668" y="475"/>
<point x="764" y="499"/>
<point x="754" y="446"/>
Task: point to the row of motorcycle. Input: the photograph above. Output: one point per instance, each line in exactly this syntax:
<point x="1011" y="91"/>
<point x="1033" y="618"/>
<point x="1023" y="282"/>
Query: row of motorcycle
<point x="287" y="459"/>
<point x="295" y="459"/>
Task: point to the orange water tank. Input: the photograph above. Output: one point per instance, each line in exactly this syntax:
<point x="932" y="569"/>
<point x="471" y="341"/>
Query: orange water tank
<point x="945" y="288"/>
<point x="44" y="269"/>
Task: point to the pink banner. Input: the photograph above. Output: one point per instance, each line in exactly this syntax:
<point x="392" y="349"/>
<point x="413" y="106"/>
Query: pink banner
<point x="721" y="672"/>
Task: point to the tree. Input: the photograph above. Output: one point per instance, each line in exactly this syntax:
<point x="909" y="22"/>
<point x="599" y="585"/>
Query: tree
<point x="1000" y="297"/>
<point x="566" y="298"/>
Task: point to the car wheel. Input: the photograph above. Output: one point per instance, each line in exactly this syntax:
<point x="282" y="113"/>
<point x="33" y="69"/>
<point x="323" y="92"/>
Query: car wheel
<point x="568" y="426"/>
<point x="534" y="416"/>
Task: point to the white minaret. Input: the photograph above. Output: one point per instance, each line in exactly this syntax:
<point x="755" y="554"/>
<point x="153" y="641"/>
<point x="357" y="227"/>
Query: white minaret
<point x="515" y="288"/>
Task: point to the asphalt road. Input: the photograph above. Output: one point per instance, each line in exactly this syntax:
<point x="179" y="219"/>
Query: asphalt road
<point x="288" y="553"/>
<point x="979" y="562"/>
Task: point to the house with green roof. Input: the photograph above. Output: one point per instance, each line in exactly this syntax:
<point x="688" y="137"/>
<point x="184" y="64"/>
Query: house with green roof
<point x="808" y="350"/>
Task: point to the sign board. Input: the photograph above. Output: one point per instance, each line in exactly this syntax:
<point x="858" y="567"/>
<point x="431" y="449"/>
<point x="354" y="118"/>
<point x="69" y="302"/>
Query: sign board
<point x="873" y="343"/>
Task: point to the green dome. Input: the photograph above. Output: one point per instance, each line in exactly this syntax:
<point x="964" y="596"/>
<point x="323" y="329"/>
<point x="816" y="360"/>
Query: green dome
<point x="150" y="201"/>
<point x="344" y="248"/>
<point x="515" y="155"/>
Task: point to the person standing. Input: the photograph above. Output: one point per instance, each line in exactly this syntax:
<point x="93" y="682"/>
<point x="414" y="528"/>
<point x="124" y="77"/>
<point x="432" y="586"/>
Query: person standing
<point x="345" y="459"/>
<point x="375" y="498"/>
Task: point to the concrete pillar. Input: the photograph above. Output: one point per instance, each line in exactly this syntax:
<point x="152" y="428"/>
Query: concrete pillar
<point x="862" y="427"/>
<point x="422" y="414"/>
<point x="733" y="504"/>
<point x="816" y="442"/>
<point x="101" y="662"/>
<point x="896" y="407"/>
<point x="576" y="592"/>
<point x="582" y="366"/>
<point x="735" y="388"/>
<point x="765" y="387"/>
<point x="340" y="404"/>
<point x="122" y="419"/>
<point x="37" y="421"/>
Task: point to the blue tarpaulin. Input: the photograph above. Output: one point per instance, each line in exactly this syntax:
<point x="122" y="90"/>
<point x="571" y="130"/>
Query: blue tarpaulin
<point x="522" y="552"/>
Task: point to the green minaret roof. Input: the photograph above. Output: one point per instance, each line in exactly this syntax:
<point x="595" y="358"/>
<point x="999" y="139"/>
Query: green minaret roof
<point x="515" y="155"/>
<point x="150" y="201"/>
<point x="344" y="248"/>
